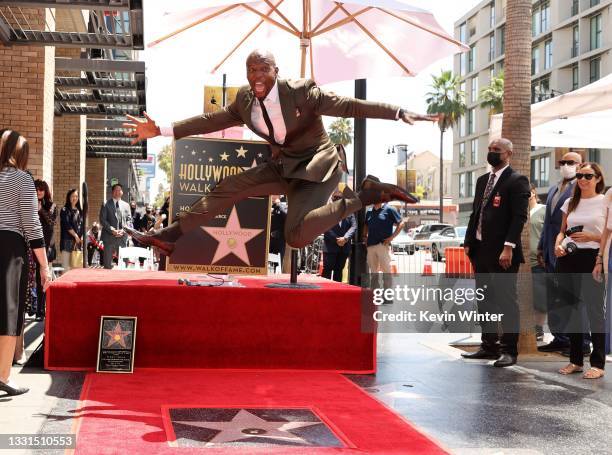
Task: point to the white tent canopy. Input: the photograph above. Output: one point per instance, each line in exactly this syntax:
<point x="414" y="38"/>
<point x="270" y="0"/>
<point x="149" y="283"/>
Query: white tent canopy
<point x="579" y="119"/>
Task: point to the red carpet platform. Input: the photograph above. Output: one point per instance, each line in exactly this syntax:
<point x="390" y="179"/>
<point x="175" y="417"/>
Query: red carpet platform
<point x="227" y="412"/>
<point x="208" y="327"/>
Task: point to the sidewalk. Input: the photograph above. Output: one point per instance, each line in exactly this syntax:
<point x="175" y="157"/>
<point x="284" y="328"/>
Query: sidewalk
<point x="469" y="407"/>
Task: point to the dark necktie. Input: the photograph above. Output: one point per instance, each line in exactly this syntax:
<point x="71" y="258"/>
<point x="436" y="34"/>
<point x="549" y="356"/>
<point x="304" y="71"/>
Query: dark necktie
<point x="118" y="213"/>
<point x="268" y="123"/>
<point x="485" y="199"/>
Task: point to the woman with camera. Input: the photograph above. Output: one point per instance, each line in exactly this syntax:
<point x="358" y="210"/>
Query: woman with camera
<point x="576" y="248"/>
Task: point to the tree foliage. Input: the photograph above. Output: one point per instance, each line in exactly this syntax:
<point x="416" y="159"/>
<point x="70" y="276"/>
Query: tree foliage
<point x="164" y="160"/>
<point x="492" y="96"/>
<point x="341" y="131"/>
<point x="446" y="98"/>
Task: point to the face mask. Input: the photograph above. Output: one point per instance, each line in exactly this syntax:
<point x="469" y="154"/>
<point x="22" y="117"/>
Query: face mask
<point x="568" y="172"/>
<point x="494" y="159"/>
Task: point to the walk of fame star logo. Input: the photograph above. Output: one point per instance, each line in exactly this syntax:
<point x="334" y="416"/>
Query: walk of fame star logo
<point x="232" y="238"/>
<point x="117" y="336"/>
<point x="221" y="427"/>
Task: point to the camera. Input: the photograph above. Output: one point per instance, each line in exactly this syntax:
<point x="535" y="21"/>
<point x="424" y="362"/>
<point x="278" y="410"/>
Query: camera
<point x="569" y="245"/>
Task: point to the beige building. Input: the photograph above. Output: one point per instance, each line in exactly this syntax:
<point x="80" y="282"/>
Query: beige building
<point x="571" y="48"/>
<point x="427" y="168"/>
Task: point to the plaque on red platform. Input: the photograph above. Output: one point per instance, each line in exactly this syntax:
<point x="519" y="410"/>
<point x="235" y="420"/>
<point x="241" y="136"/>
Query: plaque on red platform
<point x="117" y="343"/>
<point x="235" y="241"/>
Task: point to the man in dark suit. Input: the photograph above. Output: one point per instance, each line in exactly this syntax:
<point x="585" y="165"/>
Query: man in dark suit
<point x="557" y="195"/>
<point x="304" y="163"/>
<point x="115" y="218"/>
<point x="337" y="244"/>
<point x="493" y="244"/>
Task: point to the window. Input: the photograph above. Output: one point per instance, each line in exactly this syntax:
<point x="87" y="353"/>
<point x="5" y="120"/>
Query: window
<point x="461" y="185"/>
<point x="462" y="126"/>
<point x="594" y="66"/>
<point x="471" y="121"/>
<point x="462" y="87"/>
<point x="548" y="55"/>
<point x="491" y="73"/>
<point x="596" y="32"/>
<point x="575" y="7"/>
<point x="463" y="63"/>
<point x="594" y="2"/>
<point x="474" y="152"/>
<point x="575" y="41"/>
<point x="474" y="89"/>
<point x="462" y="154"/>
<point x="502" y="39"/>
<point x="492" y="15"/>
<point x="471" y="59"/>
<point x="469" y="183"/>
<point x="463" y="33"/>
<point x="536" y="26"/>
<point x="535" y="60"/>
<point x="575" y="79"/>
<point x="539" y="170"/>
<point x="492" y="46"/>
<point x="594" y="155"/>
<point x="545" y="17"/>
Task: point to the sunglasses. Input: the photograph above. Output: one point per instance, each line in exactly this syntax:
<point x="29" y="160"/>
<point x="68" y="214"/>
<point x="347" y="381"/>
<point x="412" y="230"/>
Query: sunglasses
<point x="567" y="162"/>
<point x="586" y="176"/>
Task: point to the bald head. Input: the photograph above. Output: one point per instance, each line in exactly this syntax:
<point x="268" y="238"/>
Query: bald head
<point x="261" y="55"/>
<point x="572" y="156"/>
<point x="500" y="151"/>
<point x="503" y="143"/>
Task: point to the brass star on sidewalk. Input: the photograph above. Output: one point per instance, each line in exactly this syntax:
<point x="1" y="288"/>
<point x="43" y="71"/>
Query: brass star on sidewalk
<point x="246" y="425"/>
<point x="224" y="156"/>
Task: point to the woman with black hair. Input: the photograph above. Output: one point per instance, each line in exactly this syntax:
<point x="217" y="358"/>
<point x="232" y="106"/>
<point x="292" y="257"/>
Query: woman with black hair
<point x="71" y="223"/>
<point x="47" y="213"/>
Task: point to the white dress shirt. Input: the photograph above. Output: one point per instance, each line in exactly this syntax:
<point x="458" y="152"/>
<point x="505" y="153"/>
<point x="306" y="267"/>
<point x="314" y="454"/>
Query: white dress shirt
<point x="273" y="107"/>
<point x="495" y="180"/>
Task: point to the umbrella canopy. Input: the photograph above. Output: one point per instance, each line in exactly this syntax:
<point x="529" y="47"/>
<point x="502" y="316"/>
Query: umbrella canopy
<point x="322" y="39"/>
<point x="577" y="119"/>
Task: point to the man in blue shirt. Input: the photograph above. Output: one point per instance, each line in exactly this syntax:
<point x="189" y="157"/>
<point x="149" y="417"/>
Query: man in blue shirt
<point x="378" y="234"/>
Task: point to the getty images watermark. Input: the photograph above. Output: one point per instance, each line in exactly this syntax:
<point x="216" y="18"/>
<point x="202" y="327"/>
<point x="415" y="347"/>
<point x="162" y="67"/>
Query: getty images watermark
<point x="412" y="303"/>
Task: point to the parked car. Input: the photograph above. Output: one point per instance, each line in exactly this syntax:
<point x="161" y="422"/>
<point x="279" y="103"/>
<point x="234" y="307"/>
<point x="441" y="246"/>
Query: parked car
<point x="447" y="237"/>
<point x="428" y="229"/>
<point x="403" y="243"/>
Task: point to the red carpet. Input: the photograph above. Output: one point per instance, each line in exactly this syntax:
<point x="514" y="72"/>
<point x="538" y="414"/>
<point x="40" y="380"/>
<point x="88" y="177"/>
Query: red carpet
<point x="208" y="327"/>
<point x="124" y="413"/>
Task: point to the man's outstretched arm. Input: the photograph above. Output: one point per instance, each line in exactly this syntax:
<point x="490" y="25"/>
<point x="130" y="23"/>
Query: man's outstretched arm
<point x="327" y="103"/>
<point x="142" y="129"/>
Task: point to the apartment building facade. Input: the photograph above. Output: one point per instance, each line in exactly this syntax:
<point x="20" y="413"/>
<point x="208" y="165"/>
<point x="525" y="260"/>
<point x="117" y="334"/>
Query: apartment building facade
<point x="571" y="43"/>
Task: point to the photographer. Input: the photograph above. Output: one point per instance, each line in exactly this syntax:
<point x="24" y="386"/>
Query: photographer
<point x="577" y="248"/>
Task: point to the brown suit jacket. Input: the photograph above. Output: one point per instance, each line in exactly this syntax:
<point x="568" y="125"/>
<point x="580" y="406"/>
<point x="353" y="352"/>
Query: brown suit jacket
<point x="307" y="152"/>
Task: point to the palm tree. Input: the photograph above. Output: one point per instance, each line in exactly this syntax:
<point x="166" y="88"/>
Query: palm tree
<point x="517" y="127"/>
<point x="492" y="96"/>
<point x="446" y="99"/>
<point x="341" y="131"/>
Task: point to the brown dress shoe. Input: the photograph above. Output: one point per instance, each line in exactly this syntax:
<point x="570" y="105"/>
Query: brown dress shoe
<point x="154" y="240"/>
<point x="374" y="191"/>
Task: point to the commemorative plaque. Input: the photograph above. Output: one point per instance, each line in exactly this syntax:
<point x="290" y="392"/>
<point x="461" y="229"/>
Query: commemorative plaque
<point x="116" y="344"/>
<point x="235" y="241"/>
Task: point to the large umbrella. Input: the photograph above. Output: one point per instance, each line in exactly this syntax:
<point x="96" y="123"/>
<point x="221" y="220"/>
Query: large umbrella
<point x="578" y="119"/>
<point x="326" y="40"/>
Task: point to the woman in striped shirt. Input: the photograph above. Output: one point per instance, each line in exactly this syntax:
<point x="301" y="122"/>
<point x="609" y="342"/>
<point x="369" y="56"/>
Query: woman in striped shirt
<point x="19" y="223"/>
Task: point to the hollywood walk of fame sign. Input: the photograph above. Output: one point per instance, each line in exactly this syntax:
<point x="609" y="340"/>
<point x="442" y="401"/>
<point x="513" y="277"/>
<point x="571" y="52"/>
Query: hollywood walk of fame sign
<point x="116" y="344"/>
<point x="235" y="241"/>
